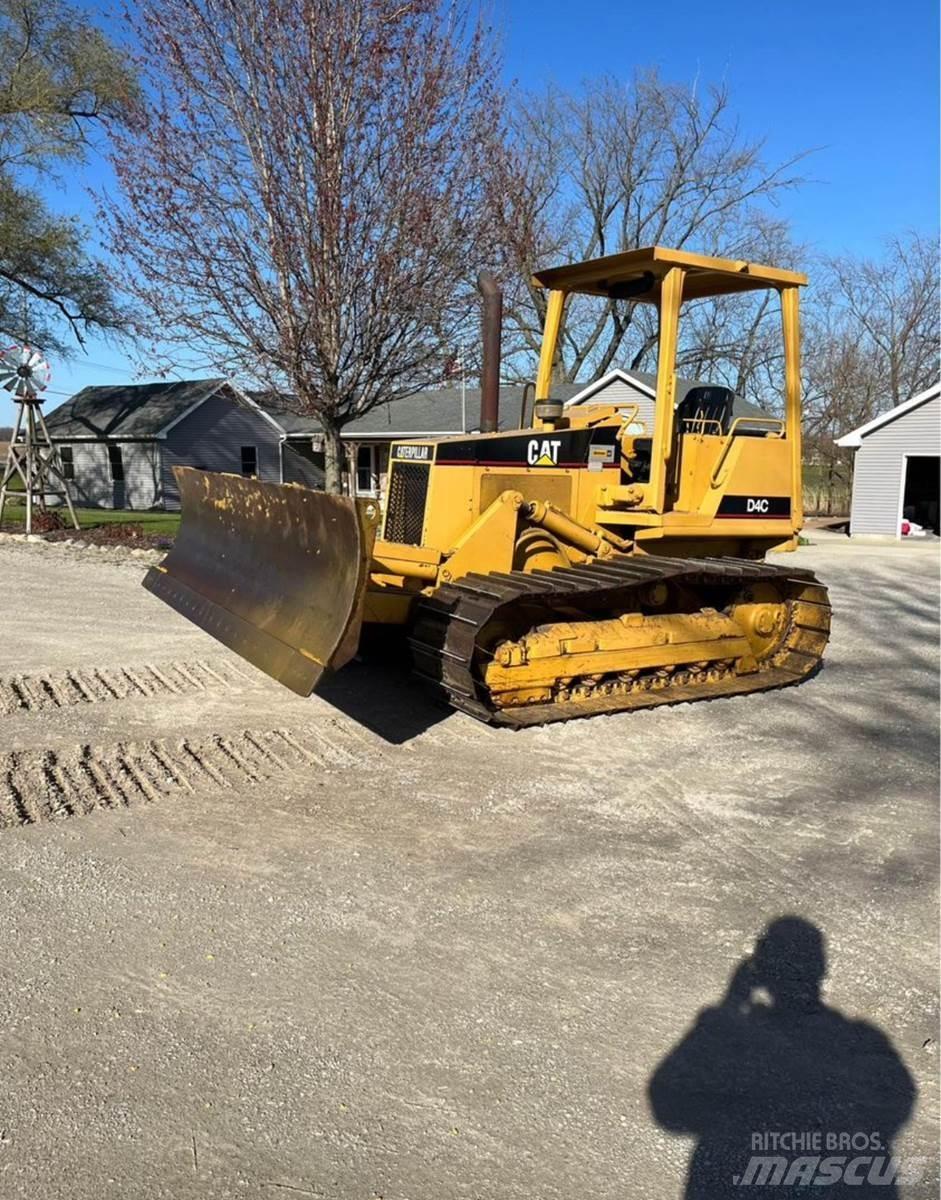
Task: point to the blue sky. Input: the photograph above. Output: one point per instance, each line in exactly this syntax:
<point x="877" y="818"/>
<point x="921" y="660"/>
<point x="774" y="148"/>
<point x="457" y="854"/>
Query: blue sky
<point x="855" y="78"/>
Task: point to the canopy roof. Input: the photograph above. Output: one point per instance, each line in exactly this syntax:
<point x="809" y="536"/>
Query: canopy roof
<point x="636" y="275"/>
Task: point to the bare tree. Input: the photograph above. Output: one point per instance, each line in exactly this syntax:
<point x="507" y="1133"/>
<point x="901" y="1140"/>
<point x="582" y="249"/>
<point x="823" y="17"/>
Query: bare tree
<point x="305" y="200"/>
<point x="891" y="304"/>
<point x="616" y="167"/>
<point x="841" y="390"/>
<point x="871" y="341"/>
<point x="736" y="340"/>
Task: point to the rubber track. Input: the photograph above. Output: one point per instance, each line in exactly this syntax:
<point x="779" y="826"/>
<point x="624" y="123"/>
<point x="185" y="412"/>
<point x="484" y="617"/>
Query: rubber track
<point x="447" y="626"/>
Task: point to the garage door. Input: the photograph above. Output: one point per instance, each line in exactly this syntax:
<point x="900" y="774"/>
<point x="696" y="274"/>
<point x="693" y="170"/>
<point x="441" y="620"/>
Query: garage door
<point x="920" y="490"/>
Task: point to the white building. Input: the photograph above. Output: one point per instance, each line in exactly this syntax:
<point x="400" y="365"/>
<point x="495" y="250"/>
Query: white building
<point x="896" y="469"/>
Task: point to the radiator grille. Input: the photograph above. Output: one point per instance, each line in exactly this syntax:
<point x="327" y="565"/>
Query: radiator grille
<point x="405" y="513"/>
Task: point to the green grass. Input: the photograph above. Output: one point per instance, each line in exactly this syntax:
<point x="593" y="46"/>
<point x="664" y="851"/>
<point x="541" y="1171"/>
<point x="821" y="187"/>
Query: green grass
<point x="88" y="518"/>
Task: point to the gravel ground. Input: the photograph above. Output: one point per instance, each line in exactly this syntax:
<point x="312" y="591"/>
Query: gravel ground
<point x="357" y="947"/>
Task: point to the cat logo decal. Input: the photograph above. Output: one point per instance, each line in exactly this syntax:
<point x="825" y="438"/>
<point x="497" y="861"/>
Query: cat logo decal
<point x="543" y="452"/>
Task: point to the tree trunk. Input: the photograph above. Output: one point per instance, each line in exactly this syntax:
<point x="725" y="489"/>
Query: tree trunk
<point x="333" y="458"/>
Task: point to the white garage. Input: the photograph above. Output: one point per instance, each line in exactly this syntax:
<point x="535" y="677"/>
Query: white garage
<point x="896" y="471"/>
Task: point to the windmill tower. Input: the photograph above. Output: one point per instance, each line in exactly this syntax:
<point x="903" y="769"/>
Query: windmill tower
<point x="32" y="457"/>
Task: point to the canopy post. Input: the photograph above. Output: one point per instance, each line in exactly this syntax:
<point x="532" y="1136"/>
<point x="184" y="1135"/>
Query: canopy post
<point x="671" y="296"/>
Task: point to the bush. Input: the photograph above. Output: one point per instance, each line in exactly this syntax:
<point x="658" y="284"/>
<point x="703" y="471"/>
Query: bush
<point x="120" y="531"/>
<point x="47" y="522"/>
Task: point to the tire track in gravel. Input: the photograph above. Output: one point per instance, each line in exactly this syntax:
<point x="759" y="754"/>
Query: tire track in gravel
<point x="681" y="806"/>
<point x="46" y="785"/>
<point x="94" y="685"/>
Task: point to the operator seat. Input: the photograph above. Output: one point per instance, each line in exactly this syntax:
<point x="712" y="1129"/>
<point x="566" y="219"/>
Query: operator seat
<point x="703" y="407"/>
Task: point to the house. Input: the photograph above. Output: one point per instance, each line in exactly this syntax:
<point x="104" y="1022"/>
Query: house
<point x="896" y="469"/>
<point x="119" y="444"/>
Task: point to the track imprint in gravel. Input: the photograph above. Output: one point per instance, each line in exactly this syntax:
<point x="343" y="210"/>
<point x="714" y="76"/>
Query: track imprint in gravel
<point x="45" y="785"/>
<point x="91" y="685"/>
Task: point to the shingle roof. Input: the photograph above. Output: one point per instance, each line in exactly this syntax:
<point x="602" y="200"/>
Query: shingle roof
<point x="273" y="403"/>
<point x="740" y="406"/>
<point x="128" y="410"/>
<point x="438" y="411"/>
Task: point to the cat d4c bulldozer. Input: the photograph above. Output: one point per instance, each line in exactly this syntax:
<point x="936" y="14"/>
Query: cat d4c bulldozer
<point x="585" y="564"/>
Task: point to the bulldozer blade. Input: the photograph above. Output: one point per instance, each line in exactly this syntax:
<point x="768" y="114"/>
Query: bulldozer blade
<point x="276" y="572"/>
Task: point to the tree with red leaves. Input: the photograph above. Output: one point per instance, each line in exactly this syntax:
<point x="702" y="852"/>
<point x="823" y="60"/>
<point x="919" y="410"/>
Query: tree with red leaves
<point x="303" y="199"/>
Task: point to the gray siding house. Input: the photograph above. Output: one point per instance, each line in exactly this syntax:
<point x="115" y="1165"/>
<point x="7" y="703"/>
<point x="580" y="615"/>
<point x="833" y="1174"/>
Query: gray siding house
<point x="896" y="468"/>
<point x="119" y="444"/>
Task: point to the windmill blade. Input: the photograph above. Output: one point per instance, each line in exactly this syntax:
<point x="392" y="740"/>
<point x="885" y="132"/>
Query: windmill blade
<point x="8" y="365"/>
<point x="23" y="371"/>
<point x="40" y="371"/>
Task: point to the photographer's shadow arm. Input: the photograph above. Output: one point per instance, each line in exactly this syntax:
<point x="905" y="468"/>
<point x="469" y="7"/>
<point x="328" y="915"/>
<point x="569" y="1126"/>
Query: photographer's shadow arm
<point x="686" y="1091"/>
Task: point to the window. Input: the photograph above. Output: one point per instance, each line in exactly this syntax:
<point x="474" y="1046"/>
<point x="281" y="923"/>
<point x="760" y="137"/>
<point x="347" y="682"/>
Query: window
<point x="116" y="463"/>
<point x="249" y="461"/>
<point x="366" y="471"/>
<point x="68" y="463"/>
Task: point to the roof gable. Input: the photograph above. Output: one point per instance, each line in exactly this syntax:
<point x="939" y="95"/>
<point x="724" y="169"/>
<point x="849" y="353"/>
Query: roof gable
<point x="855" y="437"/>
<point x="632" y="379"/>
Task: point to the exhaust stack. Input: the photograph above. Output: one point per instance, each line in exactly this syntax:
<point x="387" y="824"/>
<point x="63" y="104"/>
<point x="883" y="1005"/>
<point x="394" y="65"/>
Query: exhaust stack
<point x="490" y="374"/>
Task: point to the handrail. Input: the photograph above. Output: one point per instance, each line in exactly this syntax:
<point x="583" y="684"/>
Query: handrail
<point x="633" y="411"/>
<point x="631" y="405"/>
<point x="775" y="422"/>
<point x="630" y="417"/>
<point x="698" y="425"/>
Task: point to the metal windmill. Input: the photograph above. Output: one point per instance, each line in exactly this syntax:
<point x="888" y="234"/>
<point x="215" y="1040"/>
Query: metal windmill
<point x="32" y="457"/>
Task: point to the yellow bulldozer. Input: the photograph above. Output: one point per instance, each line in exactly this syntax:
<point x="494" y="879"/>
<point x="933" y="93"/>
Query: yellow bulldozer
<point x="582" y="565"/>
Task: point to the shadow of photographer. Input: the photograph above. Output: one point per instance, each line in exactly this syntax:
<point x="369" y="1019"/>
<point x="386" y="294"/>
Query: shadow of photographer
<point x="783" y="1092"/>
